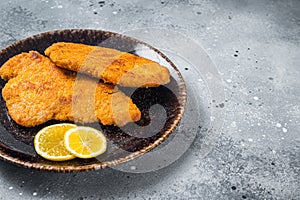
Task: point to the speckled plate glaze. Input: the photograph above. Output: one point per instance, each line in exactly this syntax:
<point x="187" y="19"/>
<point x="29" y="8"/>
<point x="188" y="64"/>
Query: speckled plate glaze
<point x="16" y="142"/>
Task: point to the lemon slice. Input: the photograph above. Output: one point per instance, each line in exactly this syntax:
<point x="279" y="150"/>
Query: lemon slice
<point x="49" y="142"/>
<point x="85" y="142"/>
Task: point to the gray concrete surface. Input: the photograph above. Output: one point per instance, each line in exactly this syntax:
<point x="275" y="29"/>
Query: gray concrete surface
<point x="254" y="44"/>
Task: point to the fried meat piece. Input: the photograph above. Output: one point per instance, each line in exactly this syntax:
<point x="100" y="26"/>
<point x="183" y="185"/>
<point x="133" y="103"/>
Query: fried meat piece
<point x="110" y="65"/>
<point x="38" y="91"/>
<point x="20" y="63"/>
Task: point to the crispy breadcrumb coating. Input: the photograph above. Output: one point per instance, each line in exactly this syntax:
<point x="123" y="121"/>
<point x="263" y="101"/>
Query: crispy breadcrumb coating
<point x="110" y="65"/>
<point x="38" y="91"/>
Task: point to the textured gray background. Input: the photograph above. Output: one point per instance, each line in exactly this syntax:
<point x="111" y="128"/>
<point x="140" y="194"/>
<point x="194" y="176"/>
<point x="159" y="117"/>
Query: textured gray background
<point x="256" y="48"/>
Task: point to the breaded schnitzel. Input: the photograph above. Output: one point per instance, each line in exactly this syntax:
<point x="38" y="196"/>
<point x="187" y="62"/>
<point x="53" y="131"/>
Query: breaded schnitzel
<point x="38" y="91"/>
<point x="110" y="65"/>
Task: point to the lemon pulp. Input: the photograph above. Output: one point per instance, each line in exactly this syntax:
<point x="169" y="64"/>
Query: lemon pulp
<point x="49" y="142"/>
<point x="85" y="142"/>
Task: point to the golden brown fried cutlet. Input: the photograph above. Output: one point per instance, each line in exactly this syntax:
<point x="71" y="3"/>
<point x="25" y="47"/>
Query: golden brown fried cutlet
<point x="20" y="63"/>
<point x="110" y="65"/>
<point x="39" y="91"/>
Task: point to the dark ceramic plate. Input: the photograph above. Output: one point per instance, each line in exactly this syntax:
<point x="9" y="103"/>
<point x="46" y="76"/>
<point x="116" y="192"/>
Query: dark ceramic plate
<point x="16" y="142"/>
